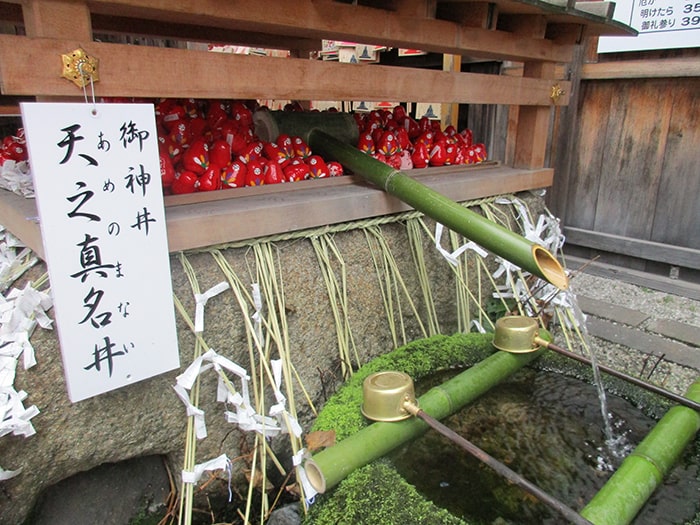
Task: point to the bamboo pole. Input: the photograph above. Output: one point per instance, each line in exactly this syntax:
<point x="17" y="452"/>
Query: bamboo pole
<point x="527" y="255"/>
<point x="330" y="466"/>
<point x="270" y="124"/>
<point x="621" y="498"/>
<point x="682" y="400"/>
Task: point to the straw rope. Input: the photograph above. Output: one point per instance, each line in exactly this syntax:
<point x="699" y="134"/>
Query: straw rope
<point x="187" y="495"/>
<point x="326" y="252"/>
<point x="268" y="337"/>
<point x="389" y="277"/>
<point x="415" y="239"/>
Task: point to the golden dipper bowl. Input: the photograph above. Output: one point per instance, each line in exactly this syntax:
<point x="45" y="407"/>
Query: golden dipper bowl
<point x="515" y="334"/>
<point x="384" y="395"/>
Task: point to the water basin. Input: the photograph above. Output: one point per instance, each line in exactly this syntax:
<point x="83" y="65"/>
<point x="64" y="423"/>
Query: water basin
<point x="547" y="427"/>
<point x="562" y="430"/>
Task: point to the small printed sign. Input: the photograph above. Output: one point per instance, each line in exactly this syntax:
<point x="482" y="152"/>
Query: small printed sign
<point x="662" y="24"/>
<point x="411" y="52"/>
<point x="97" y="183"/>
<point x="431" y="111"/>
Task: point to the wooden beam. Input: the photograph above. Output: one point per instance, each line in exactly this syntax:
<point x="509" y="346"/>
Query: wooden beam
<point x="628" y="275"/>
<point x="642" y="249"/>
<point x="417" y="8"/>
<point x="138" y="71"/>
<point x="118" y="25"/>
<point x="319" y="19"/>
<point x="648" y="68"/>
<point x="472" y="14"/>
<point x="248" y="213"/>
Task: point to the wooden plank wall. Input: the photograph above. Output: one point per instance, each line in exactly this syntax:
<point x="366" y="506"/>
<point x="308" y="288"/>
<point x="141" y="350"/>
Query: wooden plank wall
<point x="634" y="172"/>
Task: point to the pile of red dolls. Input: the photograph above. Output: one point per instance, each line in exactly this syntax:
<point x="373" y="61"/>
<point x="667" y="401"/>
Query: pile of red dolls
<point x="210" y="146"/>
<point x="402" y="142"/>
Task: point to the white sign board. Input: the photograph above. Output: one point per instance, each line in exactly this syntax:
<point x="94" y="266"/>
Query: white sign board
<point x="97" y="184"/>
<point x="662" y="24"/>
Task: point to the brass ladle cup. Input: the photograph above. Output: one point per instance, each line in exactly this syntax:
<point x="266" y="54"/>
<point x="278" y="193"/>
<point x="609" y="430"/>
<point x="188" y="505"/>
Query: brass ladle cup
<point x="520" y="334"/>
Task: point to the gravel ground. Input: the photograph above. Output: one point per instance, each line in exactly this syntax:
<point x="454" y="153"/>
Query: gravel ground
<point x="659" y="306"/>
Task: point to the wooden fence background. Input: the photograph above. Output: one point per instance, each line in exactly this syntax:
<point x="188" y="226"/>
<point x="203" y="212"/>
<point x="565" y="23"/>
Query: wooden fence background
<point x="627" y="163"/>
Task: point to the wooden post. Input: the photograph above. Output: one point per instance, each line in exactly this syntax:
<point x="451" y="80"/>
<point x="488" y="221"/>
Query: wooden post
<point x="58" y="19"/>
<point x="449" y="113"/>
<point x="533" y="122"/>
<point x="565" y="126"/>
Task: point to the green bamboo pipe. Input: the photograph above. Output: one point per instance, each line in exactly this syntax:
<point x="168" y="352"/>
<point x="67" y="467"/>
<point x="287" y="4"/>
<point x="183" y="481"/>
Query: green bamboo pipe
<point x="621" y="498"/>
<point x="330" y="466"/>
<point x="509" y="245"/>
<point x="271" y="124"/>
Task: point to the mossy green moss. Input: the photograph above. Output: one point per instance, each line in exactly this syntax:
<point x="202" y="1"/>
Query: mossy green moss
<point x="418" y="359"/>
<point x="377" y="495"/>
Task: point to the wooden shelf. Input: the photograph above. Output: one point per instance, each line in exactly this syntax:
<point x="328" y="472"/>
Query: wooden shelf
<point x="246" y="213"/>
<point x="542" y="36"/>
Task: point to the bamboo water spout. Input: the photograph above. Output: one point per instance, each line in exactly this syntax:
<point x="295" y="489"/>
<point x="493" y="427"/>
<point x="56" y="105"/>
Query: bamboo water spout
<point x="334" y="135"/>
<point x="513" y="247"/>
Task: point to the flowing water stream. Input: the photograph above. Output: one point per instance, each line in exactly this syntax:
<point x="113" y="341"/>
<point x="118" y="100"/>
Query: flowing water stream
<point x="616" y="446"/>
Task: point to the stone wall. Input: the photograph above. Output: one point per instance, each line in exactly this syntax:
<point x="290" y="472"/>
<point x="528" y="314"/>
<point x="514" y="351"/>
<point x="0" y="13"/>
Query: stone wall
<point x="148" y="418"/>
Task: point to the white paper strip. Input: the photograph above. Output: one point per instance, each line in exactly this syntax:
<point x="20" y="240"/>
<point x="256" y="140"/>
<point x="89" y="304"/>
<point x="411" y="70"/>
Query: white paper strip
<point x="309" y="491"/>
<point x="201" y="301"/>
<point x="220" y="463"/>
<point x="8" y="474"/>
<point x="451" y="257"/>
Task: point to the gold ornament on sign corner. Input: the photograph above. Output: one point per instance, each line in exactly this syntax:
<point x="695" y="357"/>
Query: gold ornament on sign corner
<point x="80" y="68"/>
<point x="556" y="93"/>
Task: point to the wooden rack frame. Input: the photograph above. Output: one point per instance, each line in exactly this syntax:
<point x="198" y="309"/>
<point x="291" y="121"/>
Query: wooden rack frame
<point x="540" y="35"/>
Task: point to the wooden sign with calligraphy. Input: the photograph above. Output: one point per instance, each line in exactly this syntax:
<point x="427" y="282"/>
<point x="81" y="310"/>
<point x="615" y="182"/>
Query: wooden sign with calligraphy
<point x="97" y="184"/>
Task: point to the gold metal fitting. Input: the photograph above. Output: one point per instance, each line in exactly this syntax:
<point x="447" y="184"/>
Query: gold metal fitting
<point x="516" y="334"/>
<point x="556" y="93"/>
<point x="386" y="396"/>
<point x="80" y="68"/>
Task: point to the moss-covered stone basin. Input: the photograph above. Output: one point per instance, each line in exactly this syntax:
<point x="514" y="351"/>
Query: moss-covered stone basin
<point x="377" y="493"/>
